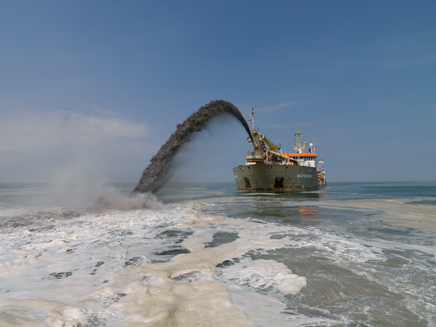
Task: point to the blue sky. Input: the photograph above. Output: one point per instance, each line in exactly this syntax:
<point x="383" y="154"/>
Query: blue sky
<point x="89" y="90"/>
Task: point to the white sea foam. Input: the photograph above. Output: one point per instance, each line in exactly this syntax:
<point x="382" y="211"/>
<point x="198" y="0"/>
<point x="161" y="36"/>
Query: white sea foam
<point x="175" y="265"/>
<point x="265" y="274"/>
<point x="97" y="269"/>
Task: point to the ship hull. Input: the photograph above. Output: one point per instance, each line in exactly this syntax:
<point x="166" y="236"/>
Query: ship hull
<point x="275" y="177"/>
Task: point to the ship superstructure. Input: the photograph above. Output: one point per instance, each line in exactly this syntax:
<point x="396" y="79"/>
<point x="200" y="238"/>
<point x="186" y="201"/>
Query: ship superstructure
<point x="267" y="168"/>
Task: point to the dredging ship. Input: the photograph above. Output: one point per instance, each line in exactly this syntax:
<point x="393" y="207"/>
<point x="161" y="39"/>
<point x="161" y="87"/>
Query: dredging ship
<point x="267" y="168"/>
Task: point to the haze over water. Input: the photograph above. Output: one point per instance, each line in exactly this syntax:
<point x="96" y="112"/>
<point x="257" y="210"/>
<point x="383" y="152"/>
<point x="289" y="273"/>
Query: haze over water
<point x="352" y="254"/>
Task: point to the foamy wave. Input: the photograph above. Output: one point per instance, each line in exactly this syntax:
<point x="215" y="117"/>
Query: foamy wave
<point x="121" y="267"/>
<point x="265" y="275"/>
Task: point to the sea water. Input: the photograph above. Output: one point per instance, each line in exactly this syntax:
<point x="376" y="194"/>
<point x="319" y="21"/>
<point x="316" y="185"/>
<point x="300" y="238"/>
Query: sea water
<point x="349" y="254"/>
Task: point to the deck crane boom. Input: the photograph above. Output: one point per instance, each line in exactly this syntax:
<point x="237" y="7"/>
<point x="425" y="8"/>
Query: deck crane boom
<point x="271" y="145"/>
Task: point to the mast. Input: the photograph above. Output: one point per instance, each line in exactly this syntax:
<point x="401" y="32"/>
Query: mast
<point x="298" y="140"/>
<point x="252" y="120"/>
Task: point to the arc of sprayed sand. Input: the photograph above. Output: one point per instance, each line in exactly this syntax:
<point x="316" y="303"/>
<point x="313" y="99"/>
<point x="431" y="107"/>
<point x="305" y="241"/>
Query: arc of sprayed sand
<point x="154" y="176"/>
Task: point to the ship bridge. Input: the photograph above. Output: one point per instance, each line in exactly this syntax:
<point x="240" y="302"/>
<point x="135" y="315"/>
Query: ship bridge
<point x="307" y="159"/>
